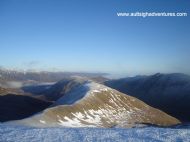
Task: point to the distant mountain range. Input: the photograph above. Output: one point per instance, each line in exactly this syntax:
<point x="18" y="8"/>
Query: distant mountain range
<point x="167" y="92"/>
<point x="42" y="76"/>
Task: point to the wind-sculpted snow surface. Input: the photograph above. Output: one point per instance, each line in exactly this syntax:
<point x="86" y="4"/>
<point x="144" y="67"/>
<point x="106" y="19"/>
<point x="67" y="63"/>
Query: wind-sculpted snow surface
<point x="147" y="134"/>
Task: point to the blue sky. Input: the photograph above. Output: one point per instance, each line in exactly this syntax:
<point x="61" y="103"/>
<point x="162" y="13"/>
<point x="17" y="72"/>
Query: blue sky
<point x="87" y="35"/>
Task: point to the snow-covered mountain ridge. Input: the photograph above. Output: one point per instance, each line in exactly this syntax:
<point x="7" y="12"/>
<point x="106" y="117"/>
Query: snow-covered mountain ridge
<point x="85" y="103"/>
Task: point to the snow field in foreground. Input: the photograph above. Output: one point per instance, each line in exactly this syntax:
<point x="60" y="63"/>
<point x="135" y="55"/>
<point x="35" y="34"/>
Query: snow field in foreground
<point x="10" y="133"/>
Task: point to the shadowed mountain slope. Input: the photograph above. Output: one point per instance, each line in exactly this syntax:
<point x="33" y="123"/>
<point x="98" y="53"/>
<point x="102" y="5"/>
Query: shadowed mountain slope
<point x="14" y="107"/>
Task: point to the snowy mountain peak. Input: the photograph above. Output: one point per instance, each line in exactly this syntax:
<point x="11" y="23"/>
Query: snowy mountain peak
<point x="81" y="91"/>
